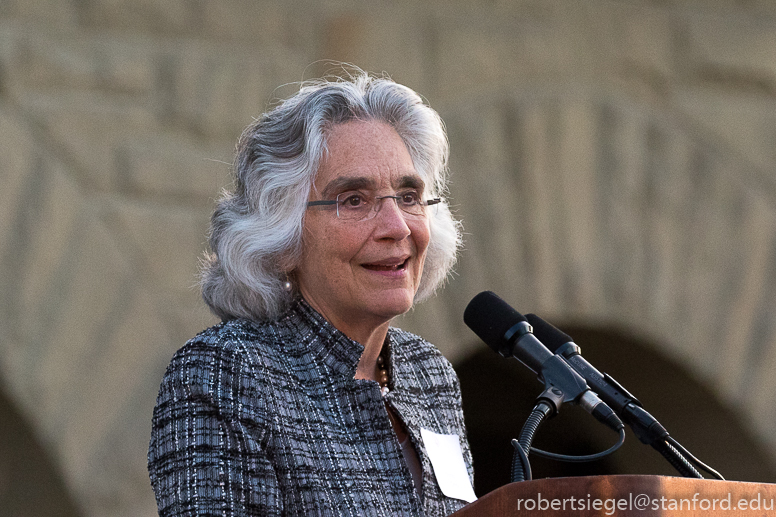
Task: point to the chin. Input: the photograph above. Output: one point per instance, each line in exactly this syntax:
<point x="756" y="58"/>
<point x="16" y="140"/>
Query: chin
<point x="391" y="305"/>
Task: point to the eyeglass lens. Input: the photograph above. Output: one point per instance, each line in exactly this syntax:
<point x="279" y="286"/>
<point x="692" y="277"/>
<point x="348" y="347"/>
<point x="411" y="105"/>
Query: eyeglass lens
<point x="359" y="206"/>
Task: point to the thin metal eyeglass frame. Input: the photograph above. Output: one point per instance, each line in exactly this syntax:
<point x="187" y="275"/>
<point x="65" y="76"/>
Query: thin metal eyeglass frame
<point x="396" y="199"/>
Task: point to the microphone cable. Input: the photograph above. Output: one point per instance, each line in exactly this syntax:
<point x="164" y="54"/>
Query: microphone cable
<point x="582" y="459"/>
<point x="521" y="467"/>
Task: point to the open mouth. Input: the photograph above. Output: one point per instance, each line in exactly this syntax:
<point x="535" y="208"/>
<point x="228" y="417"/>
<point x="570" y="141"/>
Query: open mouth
<point x="383" y="267"/>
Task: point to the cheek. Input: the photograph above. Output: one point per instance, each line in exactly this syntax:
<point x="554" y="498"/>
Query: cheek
<point x="421" y="235"/>
<point x="332" y="246"/>
<point x="316" y="248"/>
<point x="420" y="238"/>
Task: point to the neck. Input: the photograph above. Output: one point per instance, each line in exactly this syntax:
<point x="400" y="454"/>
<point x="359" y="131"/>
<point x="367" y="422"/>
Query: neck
<point x="370" y="334"/>
<point x="367" y="366"/>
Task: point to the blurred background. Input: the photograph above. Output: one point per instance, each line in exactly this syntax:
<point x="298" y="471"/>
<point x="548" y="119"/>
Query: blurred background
<point x="613" y="163"/>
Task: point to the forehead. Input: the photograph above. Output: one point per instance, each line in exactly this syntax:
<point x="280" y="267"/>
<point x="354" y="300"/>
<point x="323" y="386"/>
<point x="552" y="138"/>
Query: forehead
<point x="365" y="154"/>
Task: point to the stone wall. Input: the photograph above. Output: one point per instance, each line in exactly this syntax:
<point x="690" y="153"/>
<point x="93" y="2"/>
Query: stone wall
<point x="613" y="164"/>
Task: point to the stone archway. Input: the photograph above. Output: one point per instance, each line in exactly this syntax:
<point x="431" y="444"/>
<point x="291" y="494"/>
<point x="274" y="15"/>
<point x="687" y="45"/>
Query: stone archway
<point x="30" y="483"/>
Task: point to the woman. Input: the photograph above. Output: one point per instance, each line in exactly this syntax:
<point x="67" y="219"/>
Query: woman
<point x="303" y="401"/>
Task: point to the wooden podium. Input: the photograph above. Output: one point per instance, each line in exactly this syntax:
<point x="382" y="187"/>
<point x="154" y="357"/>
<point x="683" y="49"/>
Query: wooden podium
<point x="625" y="496"/>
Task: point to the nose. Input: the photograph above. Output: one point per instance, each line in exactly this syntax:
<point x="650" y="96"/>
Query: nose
<point x="389" y="220"/>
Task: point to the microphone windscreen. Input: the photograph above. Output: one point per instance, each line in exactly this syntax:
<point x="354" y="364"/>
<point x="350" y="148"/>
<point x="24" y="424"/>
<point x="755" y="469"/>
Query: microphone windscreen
<point x="490" y="318"/>
<point x="551" y="336"/>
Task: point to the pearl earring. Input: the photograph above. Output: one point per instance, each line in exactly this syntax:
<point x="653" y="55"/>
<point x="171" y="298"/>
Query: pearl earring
<point x="288" y="286"/>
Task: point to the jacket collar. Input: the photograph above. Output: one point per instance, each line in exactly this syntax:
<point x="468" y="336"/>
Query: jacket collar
<point x="311" y="335"/>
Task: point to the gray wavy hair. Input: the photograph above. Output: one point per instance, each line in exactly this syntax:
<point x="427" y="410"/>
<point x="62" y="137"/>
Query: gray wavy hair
<point x="256" y="229"/>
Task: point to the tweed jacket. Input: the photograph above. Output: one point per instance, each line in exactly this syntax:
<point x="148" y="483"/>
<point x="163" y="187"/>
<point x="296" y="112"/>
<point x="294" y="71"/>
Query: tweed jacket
<point x="267" y="419"/>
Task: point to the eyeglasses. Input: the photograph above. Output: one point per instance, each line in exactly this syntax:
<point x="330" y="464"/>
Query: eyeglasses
<point x="360" y="206"/>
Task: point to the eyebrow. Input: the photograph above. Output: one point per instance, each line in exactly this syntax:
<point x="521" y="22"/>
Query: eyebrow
<point x="411" y="182"/>
<point x="343" y="184"/>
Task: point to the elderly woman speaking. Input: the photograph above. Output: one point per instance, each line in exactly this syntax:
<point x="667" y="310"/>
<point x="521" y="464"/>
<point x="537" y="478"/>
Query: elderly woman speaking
<point x="303" y="400"/>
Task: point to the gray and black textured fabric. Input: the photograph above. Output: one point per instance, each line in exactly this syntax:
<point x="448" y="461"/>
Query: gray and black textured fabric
<point x="267" y="419"/>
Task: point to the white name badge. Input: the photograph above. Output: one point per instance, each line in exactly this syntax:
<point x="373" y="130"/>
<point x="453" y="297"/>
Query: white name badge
<point x="444" y="451"/>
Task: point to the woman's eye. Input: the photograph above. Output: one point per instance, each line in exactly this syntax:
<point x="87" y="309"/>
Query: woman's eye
<point x="410" y="198"/>
<point x="353" y="201"/>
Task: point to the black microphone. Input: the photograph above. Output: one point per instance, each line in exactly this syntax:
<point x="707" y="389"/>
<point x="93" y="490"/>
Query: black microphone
<point x="644" y="425"/>
<point x="505" y="330"/>
<point x="509" y="333"/>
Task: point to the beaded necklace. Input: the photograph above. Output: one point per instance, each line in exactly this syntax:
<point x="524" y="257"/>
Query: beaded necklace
<point x="383" y="367"/>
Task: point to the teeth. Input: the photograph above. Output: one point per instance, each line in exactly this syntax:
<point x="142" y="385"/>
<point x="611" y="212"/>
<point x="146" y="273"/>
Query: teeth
<point x="394" y="267"/>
